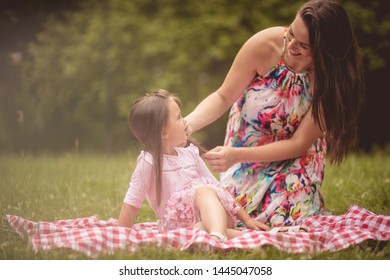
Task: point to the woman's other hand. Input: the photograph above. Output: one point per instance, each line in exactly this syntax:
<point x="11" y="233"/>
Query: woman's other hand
<point x="219" y="158"/>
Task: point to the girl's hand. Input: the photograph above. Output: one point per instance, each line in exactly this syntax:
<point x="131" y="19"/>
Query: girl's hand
<point x="219" y="158"/>
<point x="249" y="222"/>
<point x="256" y="225"/>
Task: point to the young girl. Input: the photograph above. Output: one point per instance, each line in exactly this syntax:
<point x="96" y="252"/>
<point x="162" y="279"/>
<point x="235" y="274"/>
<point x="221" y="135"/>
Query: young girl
<point x="172" y="176"/>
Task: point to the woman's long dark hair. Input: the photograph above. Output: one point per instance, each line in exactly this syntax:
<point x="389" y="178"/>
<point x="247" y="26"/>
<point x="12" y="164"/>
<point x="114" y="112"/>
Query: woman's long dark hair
<point x="338" y="74"/>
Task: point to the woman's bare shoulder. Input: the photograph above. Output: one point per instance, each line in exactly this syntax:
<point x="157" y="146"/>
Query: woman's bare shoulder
<point x="271" y="37"/>
<point x="267" y="46"/>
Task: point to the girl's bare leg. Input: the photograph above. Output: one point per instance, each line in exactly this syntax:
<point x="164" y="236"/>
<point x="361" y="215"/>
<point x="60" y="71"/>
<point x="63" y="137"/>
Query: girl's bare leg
<point x="230" y="232"/>
<point x="213" y="215"/>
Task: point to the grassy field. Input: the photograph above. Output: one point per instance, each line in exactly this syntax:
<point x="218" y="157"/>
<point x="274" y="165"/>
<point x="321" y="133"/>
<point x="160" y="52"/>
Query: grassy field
<point x="48" y="187"/>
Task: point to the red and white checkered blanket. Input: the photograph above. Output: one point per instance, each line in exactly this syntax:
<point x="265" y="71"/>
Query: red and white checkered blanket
<point x="93" y="236"/>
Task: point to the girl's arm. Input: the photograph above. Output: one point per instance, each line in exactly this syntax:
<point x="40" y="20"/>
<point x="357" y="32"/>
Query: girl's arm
<point x="249" y="222"/>
<point x="127" y="215"/>
<point x="136" y="193"/>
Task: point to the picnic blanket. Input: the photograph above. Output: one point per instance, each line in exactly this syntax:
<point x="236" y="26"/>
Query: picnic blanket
<point x="94" y="237"/>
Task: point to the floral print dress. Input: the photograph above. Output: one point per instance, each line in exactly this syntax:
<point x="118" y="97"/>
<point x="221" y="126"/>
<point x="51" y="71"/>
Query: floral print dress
<point x="271" y="109"/>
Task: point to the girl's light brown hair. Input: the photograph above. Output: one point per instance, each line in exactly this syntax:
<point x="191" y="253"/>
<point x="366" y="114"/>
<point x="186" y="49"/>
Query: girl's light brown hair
<point x="338" y="73"/>
<point x="147" y="118"/>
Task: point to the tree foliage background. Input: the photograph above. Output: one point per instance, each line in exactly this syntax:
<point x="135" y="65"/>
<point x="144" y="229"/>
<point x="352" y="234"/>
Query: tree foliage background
<point x="70" y="82"/>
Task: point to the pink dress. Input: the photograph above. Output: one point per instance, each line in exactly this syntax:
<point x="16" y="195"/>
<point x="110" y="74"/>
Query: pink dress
<point x="181" y="176"/>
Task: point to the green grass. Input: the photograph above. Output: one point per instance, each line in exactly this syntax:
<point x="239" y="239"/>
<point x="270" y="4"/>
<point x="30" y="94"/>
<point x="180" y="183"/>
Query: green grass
<point x="48" y="187"/>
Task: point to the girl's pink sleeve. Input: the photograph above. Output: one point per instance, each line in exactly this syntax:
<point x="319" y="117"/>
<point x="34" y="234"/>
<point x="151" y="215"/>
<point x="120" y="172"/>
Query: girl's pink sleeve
<point x="139" y="185"/>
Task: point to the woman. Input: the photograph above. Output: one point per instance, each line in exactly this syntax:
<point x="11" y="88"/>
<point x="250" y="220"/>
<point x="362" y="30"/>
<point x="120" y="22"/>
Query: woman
<point x="293" y="91"/>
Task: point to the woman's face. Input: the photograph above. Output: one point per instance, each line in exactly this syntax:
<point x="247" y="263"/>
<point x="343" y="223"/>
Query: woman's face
<point x="298" y="54"/>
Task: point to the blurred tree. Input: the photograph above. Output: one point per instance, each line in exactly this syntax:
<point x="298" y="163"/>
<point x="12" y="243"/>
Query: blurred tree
<point x="153" y="44"/>
<point x="20" y="20"/>
<point x="84" y="70"/>
<point x="371" y="21"/>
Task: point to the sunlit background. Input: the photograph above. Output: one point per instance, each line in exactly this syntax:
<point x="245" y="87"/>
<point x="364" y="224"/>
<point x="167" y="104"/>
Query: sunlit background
<point x="70" y="69"/>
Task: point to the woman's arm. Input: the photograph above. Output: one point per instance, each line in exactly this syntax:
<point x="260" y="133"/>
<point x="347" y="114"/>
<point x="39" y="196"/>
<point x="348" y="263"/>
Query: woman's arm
<point x="257" y="55"/>
<point x="127" y="215"/>
<point x="209" y="110"/>
<point x="221" y="158"/>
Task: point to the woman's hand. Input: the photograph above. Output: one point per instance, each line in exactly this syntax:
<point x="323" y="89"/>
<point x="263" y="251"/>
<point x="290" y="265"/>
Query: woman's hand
<point x="187" y="128"/>
<point x="219" y="158"/>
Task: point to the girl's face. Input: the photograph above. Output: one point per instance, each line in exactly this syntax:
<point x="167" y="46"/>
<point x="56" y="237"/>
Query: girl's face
<point x="174" y="134"/>
<point x="298" y="54"/>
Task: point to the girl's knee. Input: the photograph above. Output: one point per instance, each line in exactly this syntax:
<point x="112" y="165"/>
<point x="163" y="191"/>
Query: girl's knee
<point x="204" y="190"/>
